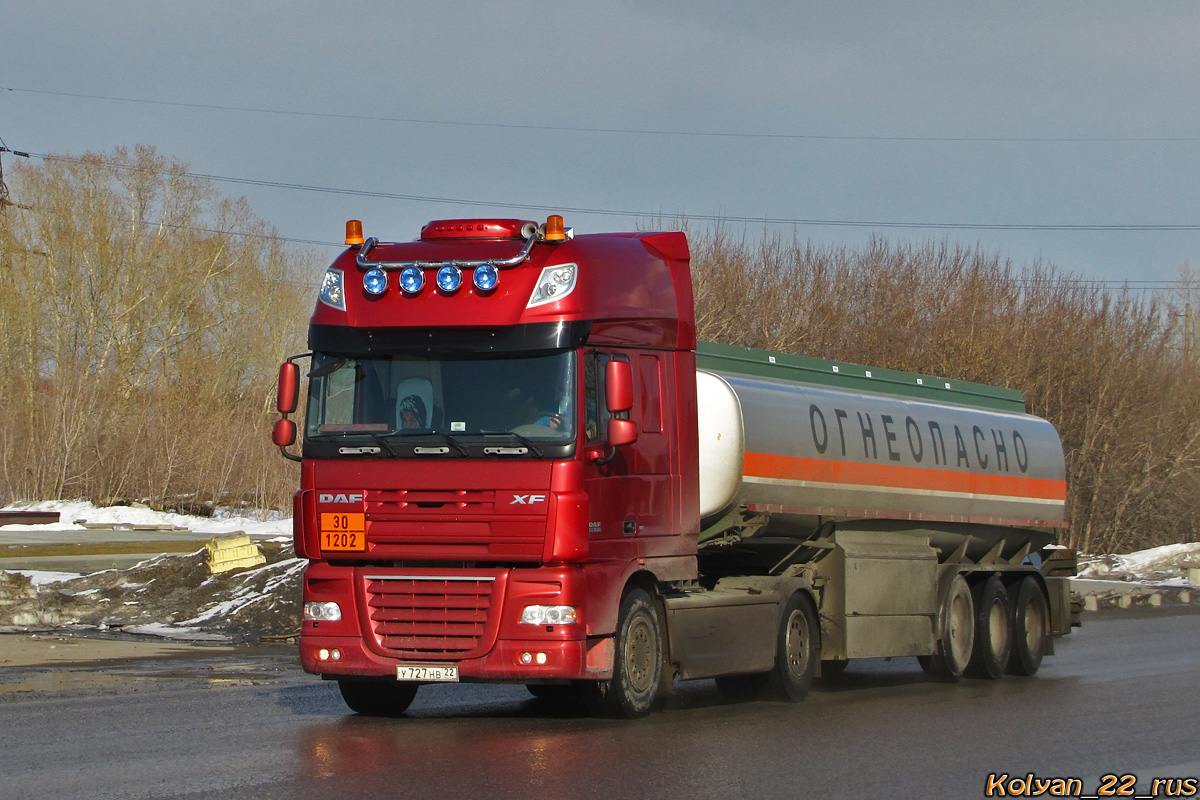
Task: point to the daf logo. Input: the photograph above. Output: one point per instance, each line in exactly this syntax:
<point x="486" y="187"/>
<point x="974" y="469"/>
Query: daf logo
<point x="340" y="498"/>
<point x="527" y="499"/>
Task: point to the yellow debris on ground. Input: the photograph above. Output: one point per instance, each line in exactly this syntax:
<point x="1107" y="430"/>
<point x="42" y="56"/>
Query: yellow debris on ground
<point x="231" y="551"/>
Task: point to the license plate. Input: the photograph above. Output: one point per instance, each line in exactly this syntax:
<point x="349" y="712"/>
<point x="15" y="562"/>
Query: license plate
<point x="432" y="673"/>
<point x="342" y="531"/>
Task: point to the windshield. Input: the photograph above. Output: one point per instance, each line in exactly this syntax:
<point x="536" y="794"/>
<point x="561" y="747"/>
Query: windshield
<point x="526" y="399"/>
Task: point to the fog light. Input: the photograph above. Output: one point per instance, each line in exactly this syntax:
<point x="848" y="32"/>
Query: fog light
<point x="449" y="278"/>
<point x="336" y="654"/>
<point x="541" y="658"/>
<point x="526" y="658"/>
<point x="375" y="281"/>
<point x="486" y="277"/>
<point x="412" y="280"/>
<point x="323" y="654"/>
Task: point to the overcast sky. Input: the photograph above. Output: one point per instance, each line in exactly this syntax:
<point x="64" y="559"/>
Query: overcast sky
<point x="986" y="118"/>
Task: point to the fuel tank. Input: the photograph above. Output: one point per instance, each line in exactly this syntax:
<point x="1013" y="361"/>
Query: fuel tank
<point x="816" y="441"/>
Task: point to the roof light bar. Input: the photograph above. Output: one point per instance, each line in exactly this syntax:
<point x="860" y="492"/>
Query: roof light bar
<point x="553" y="232"/>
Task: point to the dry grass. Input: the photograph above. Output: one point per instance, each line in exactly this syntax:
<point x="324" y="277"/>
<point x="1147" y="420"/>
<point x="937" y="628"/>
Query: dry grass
<point x="1107" y="368"/>
<point x="142" y="323"/>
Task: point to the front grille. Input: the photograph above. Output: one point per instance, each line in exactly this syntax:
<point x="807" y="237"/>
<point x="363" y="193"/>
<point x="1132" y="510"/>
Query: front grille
<point x="398" y="503"/>
<point x="430" y="617"/>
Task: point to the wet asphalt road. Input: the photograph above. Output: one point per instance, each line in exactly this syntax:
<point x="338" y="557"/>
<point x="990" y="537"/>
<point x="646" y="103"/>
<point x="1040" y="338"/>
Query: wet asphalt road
<point x="1119" y="697"/>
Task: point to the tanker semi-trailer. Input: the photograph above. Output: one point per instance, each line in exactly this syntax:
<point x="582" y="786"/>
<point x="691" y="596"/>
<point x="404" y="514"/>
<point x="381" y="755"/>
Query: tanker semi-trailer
<point x="539" y="476"/>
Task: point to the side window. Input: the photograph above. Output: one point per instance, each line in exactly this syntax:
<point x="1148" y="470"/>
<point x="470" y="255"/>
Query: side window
<point x="595" y="413"/>
<point x="340" y="394"/>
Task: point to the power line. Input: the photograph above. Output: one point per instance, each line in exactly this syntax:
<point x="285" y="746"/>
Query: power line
<point x="623" y="131"/>
<point x="611" y="212"/>
<point x="1133" y="285"/>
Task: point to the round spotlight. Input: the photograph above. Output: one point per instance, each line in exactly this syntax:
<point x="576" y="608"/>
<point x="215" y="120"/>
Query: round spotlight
<point x="375" y="281"/>
<point x="412" y="280"/>
<point x="486" y="277"/>
<point x="449" y="278"/>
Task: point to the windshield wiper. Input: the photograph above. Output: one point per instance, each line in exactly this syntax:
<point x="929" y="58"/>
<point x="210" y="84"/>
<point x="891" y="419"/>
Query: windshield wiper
<point x="537" y="451"/>
<point x="378" y="439"/>
<point x="445" y="437"/>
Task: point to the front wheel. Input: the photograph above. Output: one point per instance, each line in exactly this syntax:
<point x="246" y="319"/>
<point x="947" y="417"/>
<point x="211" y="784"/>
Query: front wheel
<point x="637" y="669"/>
<point x="798" y="649"/>
<point x="377" y="698"/>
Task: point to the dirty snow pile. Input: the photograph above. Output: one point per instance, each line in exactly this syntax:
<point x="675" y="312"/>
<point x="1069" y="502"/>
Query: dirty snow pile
<point x="1165" y="565"/>
<point x="171" y="595"/>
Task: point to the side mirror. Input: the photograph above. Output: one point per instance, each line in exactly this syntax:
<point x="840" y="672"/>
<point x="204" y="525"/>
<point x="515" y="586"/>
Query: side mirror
<point x="284" y="432"/>
<point x="289" y="388"/>
<point x="618" y="386"/>
<point x="621" y="432"/>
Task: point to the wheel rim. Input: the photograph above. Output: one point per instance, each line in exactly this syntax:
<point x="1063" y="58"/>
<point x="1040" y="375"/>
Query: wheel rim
<point x="998" y="629"/>
<point x="1034" y="627"/>
<point x="958" y="629"/>
<point x="639" y="655"/>
<point x="797" y="643"/>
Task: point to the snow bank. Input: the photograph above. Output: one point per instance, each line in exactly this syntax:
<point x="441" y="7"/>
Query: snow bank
<point x="72" y="513"/>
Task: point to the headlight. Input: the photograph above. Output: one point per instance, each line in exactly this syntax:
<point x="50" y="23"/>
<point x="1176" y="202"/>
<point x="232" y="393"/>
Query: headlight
<point x="331" y="293"/>
<point x="554" y="283"/>
<point x="486" y="277"/>
<point x="549" y="615"/>
<point x="449" y="278"/>
<point x="375" y="281"/>
<point x="322" y="612"/>
<point x="412" y="280"/>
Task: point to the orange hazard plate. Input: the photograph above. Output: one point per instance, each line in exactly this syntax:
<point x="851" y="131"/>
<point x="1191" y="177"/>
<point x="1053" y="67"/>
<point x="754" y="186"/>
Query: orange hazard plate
<point x="344" y="531"/>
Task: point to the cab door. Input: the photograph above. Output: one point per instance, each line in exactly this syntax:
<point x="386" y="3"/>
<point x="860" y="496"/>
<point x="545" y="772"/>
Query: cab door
<point x="610" y="479"/>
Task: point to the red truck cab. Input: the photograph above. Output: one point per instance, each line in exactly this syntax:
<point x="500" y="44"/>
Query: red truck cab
<point x="499" y="444"/>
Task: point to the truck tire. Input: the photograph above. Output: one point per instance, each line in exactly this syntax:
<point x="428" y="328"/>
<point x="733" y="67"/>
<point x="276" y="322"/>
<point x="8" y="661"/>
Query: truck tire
<point x="993" y="630"/>
<point x="1030" y="615"/>
<point x="377" y="698"/>
<point x="637" y="668"/>
<point x="956" y="634"/>
<point x="798" y="649"/>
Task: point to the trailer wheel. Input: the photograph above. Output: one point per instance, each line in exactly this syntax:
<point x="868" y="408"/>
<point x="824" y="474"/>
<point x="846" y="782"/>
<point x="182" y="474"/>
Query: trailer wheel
<point x="637" y="669"/>
<point x="377" y="698"/>
<point x="1029" y="621"/>
<point x="956" y="634"/>
<point x="993" y="630"/>
<point x="798" y="649"/>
